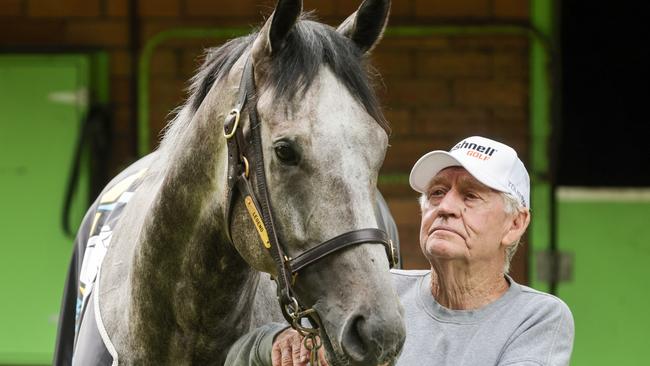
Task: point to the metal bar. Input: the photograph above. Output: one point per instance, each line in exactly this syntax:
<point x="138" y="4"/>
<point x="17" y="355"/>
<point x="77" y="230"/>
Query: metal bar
<point x="134" y="51"/>
<point x="542" y="65"/>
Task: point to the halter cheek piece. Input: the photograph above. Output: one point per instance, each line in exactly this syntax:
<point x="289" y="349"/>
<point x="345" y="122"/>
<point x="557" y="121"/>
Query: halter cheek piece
<point x="257" y="203"/>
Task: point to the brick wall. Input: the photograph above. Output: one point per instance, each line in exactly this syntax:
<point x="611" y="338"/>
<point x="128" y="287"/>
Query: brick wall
<point x="436" y="90"/>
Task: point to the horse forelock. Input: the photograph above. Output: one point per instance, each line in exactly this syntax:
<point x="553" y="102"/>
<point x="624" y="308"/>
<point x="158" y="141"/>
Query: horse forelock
<point x="310" y="46"/>
<point x="291" y="70"/>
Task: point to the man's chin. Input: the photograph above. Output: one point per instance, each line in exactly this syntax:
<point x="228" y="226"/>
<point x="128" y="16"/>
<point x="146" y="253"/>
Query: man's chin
<point x="444" y="249"/>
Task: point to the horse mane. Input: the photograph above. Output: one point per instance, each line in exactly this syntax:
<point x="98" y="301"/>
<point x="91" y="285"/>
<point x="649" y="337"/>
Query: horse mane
<point x="308" y="46"/>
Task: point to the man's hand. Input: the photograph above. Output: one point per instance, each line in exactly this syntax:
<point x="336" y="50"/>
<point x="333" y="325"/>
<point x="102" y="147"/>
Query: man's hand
<point x="289" y="350"/>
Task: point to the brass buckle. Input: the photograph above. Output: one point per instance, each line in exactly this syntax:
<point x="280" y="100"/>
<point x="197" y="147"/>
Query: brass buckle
<point x="392" y="253"/>
<point x="246" y="166"/>
<point x="229" y="135"/>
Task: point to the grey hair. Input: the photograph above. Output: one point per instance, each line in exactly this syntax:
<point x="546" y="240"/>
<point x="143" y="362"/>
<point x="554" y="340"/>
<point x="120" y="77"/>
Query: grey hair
<point x="511" y="206"/>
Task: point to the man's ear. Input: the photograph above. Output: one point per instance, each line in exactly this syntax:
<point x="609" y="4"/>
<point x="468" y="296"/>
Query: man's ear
<point x="517" y="227"/>
<point x="273" y="34"/>
<point x="366" y="26"/>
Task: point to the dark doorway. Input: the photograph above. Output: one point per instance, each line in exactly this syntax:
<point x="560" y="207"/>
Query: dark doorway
<point x="605" y="94"/>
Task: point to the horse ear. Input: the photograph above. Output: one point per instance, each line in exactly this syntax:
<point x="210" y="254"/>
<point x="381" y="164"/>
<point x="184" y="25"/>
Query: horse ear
<point x="272" y="35"/>
<point x="366" y="26"/>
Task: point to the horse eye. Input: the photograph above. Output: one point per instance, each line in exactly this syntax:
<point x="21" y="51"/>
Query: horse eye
<point x="286" y="153"/>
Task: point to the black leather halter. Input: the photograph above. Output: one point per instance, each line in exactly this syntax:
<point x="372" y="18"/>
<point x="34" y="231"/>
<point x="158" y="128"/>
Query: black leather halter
<point x="245" y="154"/>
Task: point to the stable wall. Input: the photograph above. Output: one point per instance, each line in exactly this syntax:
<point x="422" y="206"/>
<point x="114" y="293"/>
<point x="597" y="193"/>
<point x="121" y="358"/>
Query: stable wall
<point x="436" y="89"/>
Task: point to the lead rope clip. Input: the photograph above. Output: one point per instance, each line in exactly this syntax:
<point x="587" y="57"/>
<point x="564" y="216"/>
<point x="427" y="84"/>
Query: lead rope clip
<point x="311" y="341"/>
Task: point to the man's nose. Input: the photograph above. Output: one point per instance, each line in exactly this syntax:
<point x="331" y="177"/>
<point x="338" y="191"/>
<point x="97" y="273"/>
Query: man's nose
<point x="450" y="204"/>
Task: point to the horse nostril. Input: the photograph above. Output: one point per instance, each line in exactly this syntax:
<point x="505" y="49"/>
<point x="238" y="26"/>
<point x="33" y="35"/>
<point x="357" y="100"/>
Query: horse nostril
<point x="357" y="343"/>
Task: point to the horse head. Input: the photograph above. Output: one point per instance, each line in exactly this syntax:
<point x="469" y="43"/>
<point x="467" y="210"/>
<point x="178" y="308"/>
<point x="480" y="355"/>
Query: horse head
<point x="323" y="140"/>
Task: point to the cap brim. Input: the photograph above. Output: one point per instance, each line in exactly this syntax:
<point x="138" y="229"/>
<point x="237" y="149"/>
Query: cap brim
<point x="433" y="162"/>
<point x="428" y="166"/>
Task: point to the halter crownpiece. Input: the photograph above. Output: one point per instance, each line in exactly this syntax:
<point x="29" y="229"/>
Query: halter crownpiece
<point x="245" y="150"/>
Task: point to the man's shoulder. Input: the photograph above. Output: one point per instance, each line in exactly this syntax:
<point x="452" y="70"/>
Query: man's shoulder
<point x="542" y="301"/>
<point x="543" y="329"/>
<point x="540" y="296"/>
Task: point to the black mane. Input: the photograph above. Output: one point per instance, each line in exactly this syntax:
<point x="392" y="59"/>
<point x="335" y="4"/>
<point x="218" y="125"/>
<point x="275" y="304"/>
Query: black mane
<point x="293" y="68"/>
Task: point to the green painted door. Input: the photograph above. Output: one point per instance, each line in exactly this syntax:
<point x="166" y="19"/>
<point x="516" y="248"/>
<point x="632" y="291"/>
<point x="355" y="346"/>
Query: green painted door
<point x="608" y="232"/>
<point x="43" y="100"/>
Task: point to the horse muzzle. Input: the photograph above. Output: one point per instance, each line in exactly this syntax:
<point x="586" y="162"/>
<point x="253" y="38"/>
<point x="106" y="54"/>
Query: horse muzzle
<point x="366" y="339"/>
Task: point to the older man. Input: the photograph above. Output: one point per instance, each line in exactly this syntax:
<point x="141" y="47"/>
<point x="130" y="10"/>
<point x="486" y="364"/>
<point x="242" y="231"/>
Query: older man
<point x="466" y="310"/>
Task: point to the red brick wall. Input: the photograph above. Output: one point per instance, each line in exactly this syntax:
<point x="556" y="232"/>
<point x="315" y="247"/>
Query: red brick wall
<point x="436" y="90"/>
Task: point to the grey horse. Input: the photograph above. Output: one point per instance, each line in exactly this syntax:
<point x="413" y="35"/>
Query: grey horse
<point x="172" y="276"/>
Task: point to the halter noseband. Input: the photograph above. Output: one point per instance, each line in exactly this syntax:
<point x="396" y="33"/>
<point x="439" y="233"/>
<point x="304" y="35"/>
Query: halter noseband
<point x="244" y="153"/>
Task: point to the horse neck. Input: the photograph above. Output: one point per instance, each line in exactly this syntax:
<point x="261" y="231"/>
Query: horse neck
<point x="194" y="159"/>
<point x="186" y="271"/>
<point x="190" y="196"/>
<point x="184" y="204"/>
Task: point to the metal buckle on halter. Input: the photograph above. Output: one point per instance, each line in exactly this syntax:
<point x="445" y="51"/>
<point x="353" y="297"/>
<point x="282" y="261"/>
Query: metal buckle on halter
<point x="235" y="113"/>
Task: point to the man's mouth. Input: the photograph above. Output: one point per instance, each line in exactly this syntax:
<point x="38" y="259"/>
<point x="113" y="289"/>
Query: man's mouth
<point x="444" y="228"/>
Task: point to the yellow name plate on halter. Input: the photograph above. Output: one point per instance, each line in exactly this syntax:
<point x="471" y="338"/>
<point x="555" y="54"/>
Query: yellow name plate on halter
<point x="257" y="220"/>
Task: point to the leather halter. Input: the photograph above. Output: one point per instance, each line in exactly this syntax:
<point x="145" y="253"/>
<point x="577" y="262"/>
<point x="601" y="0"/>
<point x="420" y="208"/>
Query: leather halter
<point x="244" y="154"/>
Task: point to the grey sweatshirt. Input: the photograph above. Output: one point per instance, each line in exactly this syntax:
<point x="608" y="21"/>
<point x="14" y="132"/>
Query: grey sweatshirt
<point x="523" y="327"/>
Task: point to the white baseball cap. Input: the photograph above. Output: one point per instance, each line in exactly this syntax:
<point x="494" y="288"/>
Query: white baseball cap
<point x="492" y="163"/>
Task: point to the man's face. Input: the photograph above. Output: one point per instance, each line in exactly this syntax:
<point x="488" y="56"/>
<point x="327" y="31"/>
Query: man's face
<point x="462" y="219"/>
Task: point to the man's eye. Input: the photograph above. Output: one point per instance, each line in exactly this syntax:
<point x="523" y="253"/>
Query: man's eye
<point x="436" y="193"/>
<point x="472" y="196"/>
